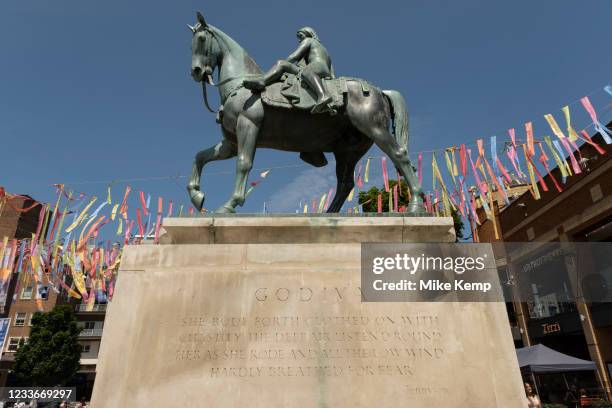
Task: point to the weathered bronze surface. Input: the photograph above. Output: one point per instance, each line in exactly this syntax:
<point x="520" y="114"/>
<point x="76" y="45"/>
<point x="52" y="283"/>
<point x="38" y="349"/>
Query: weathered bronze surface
<point x="367" y="115"/>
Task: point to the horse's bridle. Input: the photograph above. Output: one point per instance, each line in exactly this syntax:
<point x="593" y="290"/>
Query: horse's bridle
<point x="208" y="79"/>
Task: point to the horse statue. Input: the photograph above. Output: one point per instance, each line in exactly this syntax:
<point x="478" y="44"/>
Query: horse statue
<point x="250" y="119"/>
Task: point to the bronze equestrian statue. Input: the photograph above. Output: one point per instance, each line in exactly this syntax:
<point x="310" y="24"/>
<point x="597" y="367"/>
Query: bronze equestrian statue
<point x="343" y="116"/>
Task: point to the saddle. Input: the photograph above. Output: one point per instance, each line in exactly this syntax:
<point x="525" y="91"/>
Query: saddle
<point x="292" y="93"/>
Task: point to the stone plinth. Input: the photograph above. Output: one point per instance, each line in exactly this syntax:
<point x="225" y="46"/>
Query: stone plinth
<point x="267" y="312"/>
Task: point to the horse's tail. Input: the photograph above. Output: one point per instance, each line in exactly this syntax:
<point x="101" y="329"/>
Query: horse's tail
<point x="399" y="113"/>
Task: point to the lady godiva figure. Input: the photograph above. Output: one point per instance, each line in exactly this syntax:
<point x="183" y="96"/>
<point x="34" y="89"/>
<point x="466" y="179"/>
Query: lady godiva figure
<point x="317" y="66"/>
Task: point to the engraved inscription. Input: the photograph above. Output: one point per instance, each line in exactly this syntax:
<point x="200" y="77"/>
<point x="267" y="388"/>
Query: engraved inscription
<point x="309" y="346"/>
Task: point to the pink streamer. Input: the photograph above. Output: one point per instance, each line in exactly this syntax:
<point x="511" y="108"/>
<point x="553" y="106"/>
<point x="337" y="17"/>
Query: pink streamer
<point x="481" y="186"/>
<point x="128" y="230"/>
<point x="420" y="168"/>
<point x="383" y="163"/>
<point x="575" y="165"/>
<point x="160" y="208"/>
<point x="328" y="199"/>
<point x="143" y="203"/>
<point x="359" y="179"/>
<point x="395" y="189"/>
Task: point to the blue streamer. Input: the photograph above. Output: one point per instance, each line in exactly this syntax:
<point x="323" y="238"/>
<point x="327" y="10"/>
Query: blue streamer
<point x="604" y="132"/>
<point x="494" y="153"/>
<point x="562" y="155"/>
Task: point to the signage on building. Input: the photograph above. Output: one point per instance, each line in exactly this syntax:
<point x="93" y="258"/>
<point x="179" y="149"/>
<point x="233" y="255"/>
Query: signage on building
<point x="549" y="328"/>
<point x="559" y="325"/>
<point x="4" y="327"/>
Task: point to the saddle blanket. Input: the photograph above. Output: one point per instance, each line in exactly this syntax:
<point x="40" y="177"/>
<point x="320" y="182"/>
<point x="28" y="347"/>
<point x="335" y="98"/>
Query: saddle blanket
<point x="292" y="92"/>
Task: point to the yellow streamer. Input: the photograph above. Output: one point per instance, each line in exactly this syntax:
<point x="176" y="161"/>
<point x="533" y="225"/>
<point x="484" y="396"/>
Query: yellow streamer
<point x="91" y="300"/>
<point x="2" y="250"/>
<point x="455" y="168"/>
<point x="322" y="203"/>
<point x="79" y="281"/>
<point x="570" y="130"/>
<point x="449" y="166"/>
<point x="438" y="176"/>
<point x="561" y="163"/>
<point x="109" y="199"/>
<point x="491" y="205"/>
<point x="60" y="226"/>
<point x="350" y="196"/>
<point x="554" y="126"/>
<point x="81" y="216"/>
<point x="114" y="212"/>
<point x="435" y="170"/>
<point x="367" y="171"/>
<point x="43" y="231"/>
<point x="534" y="184"/>
<point x="74" y="294"/>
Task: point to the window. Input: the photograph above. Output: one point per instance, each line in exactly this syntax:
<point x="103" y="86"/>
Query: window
<point x="15" y="342"/>
<point x="86" y="348"/>
<point x="20" y="319"/>
<point x="26" y="293"/>
<point x="89" y="325"/>
<point x="43" y="292"/>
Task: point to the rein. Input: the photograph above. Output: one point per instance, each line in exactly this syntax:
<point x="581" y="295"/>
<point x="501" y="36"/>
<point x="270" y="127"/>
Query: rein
<point x="205" y="95"/>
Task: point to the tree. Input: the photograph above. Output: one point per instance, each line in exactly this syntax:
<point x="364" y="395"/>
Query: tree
<point x="369" y="201"/>
<point x="51" y="356"/>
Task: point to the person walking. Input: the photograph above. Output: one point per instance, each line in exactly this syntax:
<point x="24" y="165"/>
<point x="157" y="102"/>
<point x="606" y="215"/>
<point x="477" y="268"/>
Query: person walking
<point x="533" y="401"/>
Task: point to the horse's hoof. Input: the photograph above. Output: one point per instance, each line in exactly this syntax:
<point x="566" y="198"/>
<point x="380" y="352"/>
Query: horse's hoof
<point x="224" y="209"/>
<point x="417" y="209"/>
<point x="197" y="199"/>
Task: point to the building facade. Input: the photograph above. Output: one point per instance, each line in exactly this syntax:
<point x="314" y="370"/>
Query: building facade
<point x="560" y="317"/>
<point x="20" y="301"/>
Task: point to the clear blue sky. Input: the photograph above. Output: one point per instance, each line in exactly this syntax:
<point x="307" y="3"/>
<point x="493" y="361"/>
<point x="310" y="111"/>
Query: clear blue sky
<point x="100" y="90"/>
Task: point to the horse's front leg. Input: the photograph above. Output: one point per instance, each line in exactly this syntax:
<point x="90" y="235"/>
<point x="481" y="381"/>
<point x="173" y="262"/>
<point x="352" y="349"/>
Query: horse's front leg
<point x="221" y="151"/>
<point x="246" y="135"/>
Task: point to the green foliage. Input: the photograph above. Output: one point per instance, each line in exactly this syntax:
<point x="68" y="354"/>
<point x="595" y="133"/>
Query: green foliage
<point x="553" y="406"/>
<point x="51" y="356"/>
<point x="369" y="200"/>
<point x="458" y="224"/>
<point x="601" y="404"/>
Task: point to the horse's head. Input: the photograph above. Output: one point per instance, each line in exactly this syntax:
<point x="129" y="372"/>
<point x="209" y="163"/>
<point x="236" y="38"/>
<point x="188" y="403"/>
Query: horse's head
<point x="205" y="51"/>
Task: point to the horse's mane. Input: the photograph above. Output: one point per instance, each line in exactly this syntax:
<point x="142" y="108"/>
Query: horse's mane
<point x="230" y="45"/>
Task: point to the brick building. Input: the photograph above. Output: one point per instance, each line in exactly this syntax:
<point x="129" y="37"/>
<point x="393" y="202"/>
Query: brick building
<point x="582" y="212"/>
<point x="19" y="304"/>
